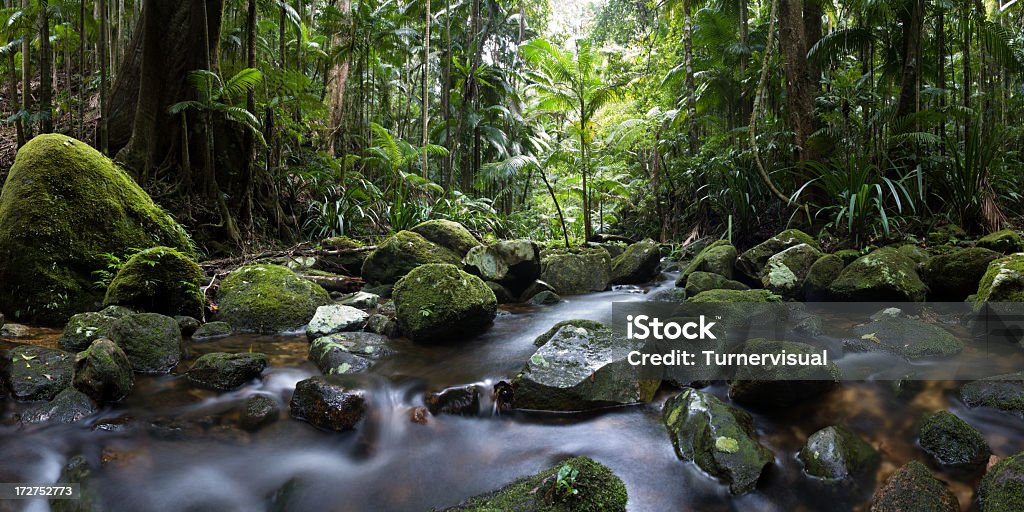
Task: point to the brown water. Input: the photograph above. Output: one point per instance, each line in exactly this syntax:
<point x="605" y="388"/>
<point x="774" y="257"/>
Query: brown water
<point x="172" y="447"/>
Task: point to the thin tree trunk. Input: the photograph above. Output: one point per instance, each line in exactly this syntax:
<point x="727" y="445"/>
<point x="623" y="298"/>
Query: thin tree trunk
<point x="12" y="92"/>
<point x="912" y="20"/>
<point x="26" y="74"/>
<point x="45" y="66"/>
<point x="426" y="95"/>
<point x="337" y="80"/>
<point x="793" y="45"/>
<point x="744" y="60"/>
<point x="104" y="114"/>
<point x="691" y="91"/>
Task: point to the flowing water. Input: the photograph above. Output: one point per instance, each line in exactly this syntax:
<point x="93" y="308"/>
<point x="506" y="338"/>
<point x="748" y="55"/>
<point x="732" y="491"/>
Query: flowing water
<point x="172" y="447"/>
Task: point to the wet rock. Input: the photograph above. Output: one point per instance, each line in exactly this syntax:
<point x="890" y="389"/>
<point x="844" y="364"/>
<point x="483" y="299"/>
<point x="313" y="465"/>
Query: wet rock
<point x="700" y="281"/>
<point x="103" y="372"/>
<point x="952" y="441"/>
<point x="589" y="325"/>
<point x="947" y="233"/>
<point x="360" y="300"/>
<point x="719" y="438"/>
<point x="401" y="253"/>
<point x="258" y="411"/>
<point x="912" y="487"/>
<point x="37" y="373"/>
<point x="734" y="296"/>
<point x="1003" y="392"/>
<point x="769" y="386"/>
<point x="836" y="452"/>
<point x="458" y="401"/>
<point x="581" y="368"/>
<point x="224" y="372"/>
<point x="820" y="277"/>
<point x="440" y="303"/>
<point x="268" y="299"/>
<point x="347" y="353"/>
<point x="1002" y="489"/>
<point x="751" y="263"/>
<point x="637" y="264"/>
<point x="78" y="471"/>
<point x="159" y="280"/>
<point x="673" y="295"/>
<point x="187" y="325"/>
<point x="717" y="258"/>
<point x="1003" y="280"/>
<point x="952" y="277"/>
<point x="383" y="325"/>
<point x="884" y="275"/>
<point x="597" y="489"/>
<point x="577" y="271"/>
<point x="328" y="403"/>
<point x="334" y="319"/>
<point x="151" y="341"/>
<point x="2" y="320"/>
<point x="784" y="273"/>
<point x="212" y="330"/>
<point x="534" y="288"/>
<point x="910" y="338"/>
<point x="1006" y="241"/>
<point x="117" y="311"/>
<point x="82" y="329"/>
<point x="69" y="406"/>
<point x="514" y="264"/>
<point x="501" y="294"/>
<point x="544" y="298"/>
<point x="14" y="331"/>
<point x="448" y="234"/>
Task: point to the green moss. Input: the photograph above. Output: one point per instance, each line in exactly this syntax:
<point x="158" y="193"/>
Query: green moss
<point x="401" y="253"/>
<point x="268" y="299"/>
<point x="821" y="275"/>
<point x="945" y="234"/>
<point x="912" y="488"/>
<point x="952" y="441"/>
<point x="159" y="280"/>
<point x="701" y="281"/>
<point x="1002" y="489"/>
<point x="836" y="452"/>
<point x="1005" y="241"/>
<point x="717" y="258"/>
<point x="576" y="271"/>
<point x="223" y="371"/>
<point x="1003" y="392"/>
<point x="151" y="341"/>
<point x="735" y="296"/>
<point x="64" y="207"/>
<point x="1003" y="281"/>
<point x="883" y="275"/>
<point x="340" y="243"/>
<point x="954" y="276"/>
<point x="848" y="255"/>
<point x="437" y="301"/>
<point x="448" y="234"/>
<point x="751" y="263"/>
<point x="590" y="325"/>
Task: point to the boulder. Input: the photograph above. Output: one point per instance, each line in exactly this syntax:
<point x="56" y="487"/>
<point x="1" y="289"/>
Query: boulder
<point x="820" y="276"/>
<point x="589" y="325"/>
<point x="36" y="373"/>
<point x="735" y="296"/>
<point x="836" y="453"/>
<point x="448" y="234"/>
<point x="258" y="411"/>
<point x="103" y="372"/>
<point x="1006" y="241"/>
<point x="224" y="372"/>
<point x="69" y="406"/>
<point x="268" y="299"/>
<point x="1002" y="489"/>
<point x="719" y="438"/>
<point x="912" y="487"/>
<point x="700" y="281"/>
<point x="884" y="275"/>
<point x="151" y="341"/>
<point x="534" y="288"/>
<point x="514" y="264"/>
<point x="501" y="294"/>
<point x="382" y="324"/>
<point x="334" y="319"/>
<point x="14" y="331"/>
<point x="159" y="280"/>
<point x="1003" y="392"/>
<point x="328" y="403"/>
<point x="637" y="264"/>
<point x="83" y="329"/>
<point x="64" y="210"/>
<point x="751" y="263"/>
<point x="458" y="401"/>
<point x="945" y="234"/>
<point x="910" y="338"/>
<point x="1003" y="280"/>
<point x="952" y="441"/>
<point x="576" y="272"/>
<point x="784" y="273"/>
<point x="401" y="253"/>
<point x="350" y="352"/>
<point x="360" y="300"/>
<point x="544" y="298"/>
<point x="771" y="386"/>
<point x="78" y="471"/>
<point x="717" y="258"/>
<point x="580" y="368"/>
<point x="438" y="302"/>
<point x="211" y="330"/>
<point x="187" y="324"/>
<point x="952" y="277"/>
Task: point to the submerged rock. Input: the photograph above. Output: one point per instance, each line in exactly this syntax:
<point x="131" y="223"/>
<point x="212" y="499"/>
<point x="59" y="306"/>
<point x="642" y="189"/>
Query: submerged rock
<point x="884" y="275"/>
<point x="820" y="277"/>
<point x="258" y="411"/>
<point x="151" y="341"/>
<point x="785" y="271"/>
<point x="576" y="272"/>
<point x="637" y="264"/>
<point x="952" y="441"/>
<point x="37" y="373"/>
<point x="159" y="280"/>
<point x="1003" y="280"/>
<point x="720" y="439"/>
<point x="1003" y="392"/>
<point x="544" y="298"/>
<point x="1002" y="489"/>
<point x="334" y="319"/>
<point x="401" y="253"/>
<point x="910" y="338"/>
<point x="448" y="234"/>
<point x="69" y="406"/>
<point x="103" y="372"/>
<point x="224" y="372"/>
<point x="268" y="299"/>
<point x="952" y="277"/>
<point x="440" y="302"/>
<point x="513" y="264"/>
<point x="212" y="330"/>
<point x="84" y="328"/>
<point x="835" y="453"/>
<point x="717" y="258"/>
<point x="751" y="263"/>
<point x="700" y="281"/>
<point x="768" y="385"/>
<point x="459" y="401"/>
<point x="328" y="403"/>
<point x="78" y="471"/>
<point x="912" y="487"/>
<point x="1005" y="241"/>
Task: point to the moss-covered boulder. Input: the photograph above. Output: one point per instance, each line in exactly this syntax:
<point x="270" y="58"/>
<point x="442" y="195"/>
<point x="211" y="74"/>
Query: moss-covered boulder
<point x="448" y="234"/>
<point x="721" y="439"/>
<point x="884" y="275"/>
<point x="268" y="299"/>
<point x="637" y="264"/>
<point x="212" y="330"/>
<point x="329" y="403"/>
<point x="590" y="325"/>
<point x="258" y="411"/>
<point x="513" y="264"/>
<point x="402" y="252"/>
<point x="439" y="302"/>
<point x="1002" y="489"/>
<point x="159" y="280"/>
<point x="577" y="271"/>
<point x="770" y="385"/>
<point x="36" y="373"/>
<point x="700" y="281"/>
<point x="913" y="488"/>
<point x="1006" y="241"/>
<point x="64" y="210"/>
<point x="909" y="337"/>
<point x="952" y="441"/>
<point x="335" y="318"/>
<point x="69" y="406"/>
<point x="347" y="352"/>
<point x="151" y="341"/>
<point x="1003" y="392"/>
<point x="836" y="453"/>
<point x="952" y="277"/>
<point x="587" y="486"/>
<point x="1003" y="280"/>
<point x="84" y="328"/>
<point x="946" y="234"/>
<point x="735" y="296"/>
<point x="784" y="273"/>
<point x="717" y="258"/>
<point x="103" y="372"/>
<point x="751" y="263"/>
<point x="579" y="368"/>
<point x="820" y="276"/>
<point x="223" y="371"/>
<point x="78" y="471"/>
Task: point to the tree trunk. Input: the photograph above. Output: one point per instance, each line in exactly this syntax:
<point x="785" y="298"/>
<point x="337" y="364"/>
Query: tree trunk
<point x="45" y="67"/>
<point x="337" y="80"/>
<point x="793" y="45"/>
<point x="912" y="20"/>
<point x="691" y="91"/>
<point x="26" y="75"/>
<point x="745" y="99"/>
<point x="426" y="92"/>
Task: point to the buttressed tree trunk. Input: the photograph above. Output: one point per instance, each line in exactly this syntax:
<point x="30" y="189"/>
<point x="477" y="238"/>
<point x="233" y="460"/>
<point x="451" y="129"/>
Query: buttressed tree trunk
<point x="337" y="81"/>
<point x="800" y="93"/>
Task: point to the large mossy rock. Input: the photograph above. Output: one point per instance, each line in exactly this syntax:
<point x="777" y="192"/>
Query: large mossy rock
<point x="159" y="280"/>
<point x="103" y="372"/>
<point x="637" y="264"/>
<point x="512" y="264"/>
<point x="328" y="403"/>
<point x="820" y="277"/>
<point x="734" y="296"/>
<point x="953" y="277"/>
<point x="717" y="258"/>
<point x="64" y="210"/>
<point x="1002" y="489"/>
<point x="151" y="341"/>
<point x="576" y="271"/>
<point x="583" y="365"/>
<point x="84" y="328"/>
<point x="751" y="263"/>
<point x="1003" y="280"/>
<point x="438" y="302"/>
<point x="909" y="337"/>
<point x="36" y="373"/>
<point x="596" y="489"/>
<point x="268" y="299"/>
<point x="768" y="385"/>
<point x="884" y="275"/>
<point x="700" y="281"/>
<point x="1003" y="392"/>
<point x="913" y="488"/>
<point x="224" y="372"/>
<point x="1005" y="241"/>
<point x="952" y="441"/>
<point x="335" y="318"/>
<point x="784" y="273"/>
<point x="401" y="253"/>
<point x="448" y="234"/>
<point x="836" y="453"/>
<point x="721" y="439"/>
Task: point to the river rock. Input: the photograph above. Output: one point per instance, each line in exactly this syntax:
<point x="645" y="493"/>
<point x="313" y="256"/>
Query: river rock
<point x="401" y="253"/>
<point x="719" y="438"/>
<point x="1006" y="241"/>
<point x="952" y="277"/>
<point x="1002" y="489"/>
<point x="501" y="294"/>
<point x="14" y="331"/>
<point x="784" y="273"/>
<point x="335" y="318"/>
<point x="580" y="368"/>
<point x="350" y="352"/>
<point x="459" y="401"/>
<point x="577" y="271"/>
<point x="637" y="264"/>
<point x="1003" y="280"/>
<point x="360" y="300"/>
<point x="945" y="234"/>
<point x="328" y="403"/>
<point x="823" y="272"/>
<point x="78" y="471"/>
<point x="769" y="386"/>
<point x="717" y="258"/>
<point x="448" y="234"/>
<point x="544" y="298"/>
<point x="700" y="281"/>
<point x="84" y="328"/>
<point x="751" y="263"/>
<point x="884" y="275"/>
<point x="103" y="372"/>
<point x="440" y="302"/>
<point x="187" y="325"/>
<point x="534" y="288"/>
<point x="268" y="299"/>
<point x="952" y="441"/>
<point x="735" y="296"/>
<point x="383" y="325"/>
<point x="1003" y="392"/>
<point x="211" y="330"/>
<point x="69" y="406"/>
<point x="159" y="280"/>
<point x="514" y="264"/>
<point x="151" y="341"/>
<point x="63" y="210"/>
<point x="224" y="372"/>
<point x="257" y="412"/>
<point x="912" y="487"/>
<point x="36" y="373"/>
<point x="836" y="453"/>
<point x="910" y="338"/>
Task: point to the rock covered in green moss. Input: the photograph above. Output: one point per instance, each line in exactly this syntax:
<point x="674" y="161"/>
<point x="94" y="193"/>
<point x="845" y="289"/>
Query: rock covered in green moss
<point x="637" y="264"/>
<point x="84" y="328"/>
<point x="717" y="258"/>
<point x="1003" y="280"/>
<point x="335" y="318"/>
<point x="402" y="252"/>
<point x="438" y="302"/>
<point x="883" y="275"/>
<point x="1002" y="489"/>
<point x="36" y="373"/>
<point x="151" y="341"/>
<point x="596" y="488"/>
<point x="159" y="280"/>
<point x="212" y="330"/>
<point x="224" y="372"/>
<point x="268" y="299"/>
<point x="69" y="406"/>
<point x="329" y="403"/>
<point x="590" y="325"/>
<point x="103" y="372"/>
<point x="701" y="281"/>
<point x="579" y="368"/>
<point x="513" y="264"/>
<point x="910" y="338"/>
<point x="836" y="452"/>
<point x="448" y="234"/>
<point x="360" y="300"/>
<point x="952" y="441"/>
<point x="347" y="352"/>
<point x="1006" y="241"/>
<point x="952" y="277"/>
<point x="784" y="273"/>
<point x="769" y="385"/>
<point x="258" y="411"/>
<point x="751" y="263"/>
<point x="576" y="271"/>
<point x="78" y="471"/>
<point x="1003" y="392"/>
<point x="945" y="234"/>
<point x="735" y="296"/>
<point x="64" y="209"/>
<point x="820" y="276"/>
<point x="913" y="488"/>
<point x="544" y="298"/>
<point x="721" y="439"/>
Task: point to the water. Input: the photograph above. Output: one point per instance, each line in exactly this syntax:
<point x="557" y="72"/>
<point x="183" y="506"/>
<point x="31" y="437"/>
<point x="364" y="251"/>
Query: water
<point x="172" y="447"/>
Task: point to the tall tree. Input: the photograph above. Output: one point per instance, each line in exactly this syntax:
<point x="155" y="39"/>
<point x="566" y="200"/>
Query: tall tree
<point x="911" y="15"/>
<point x="800" y="94"/>
<point x="45" y="67"/>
